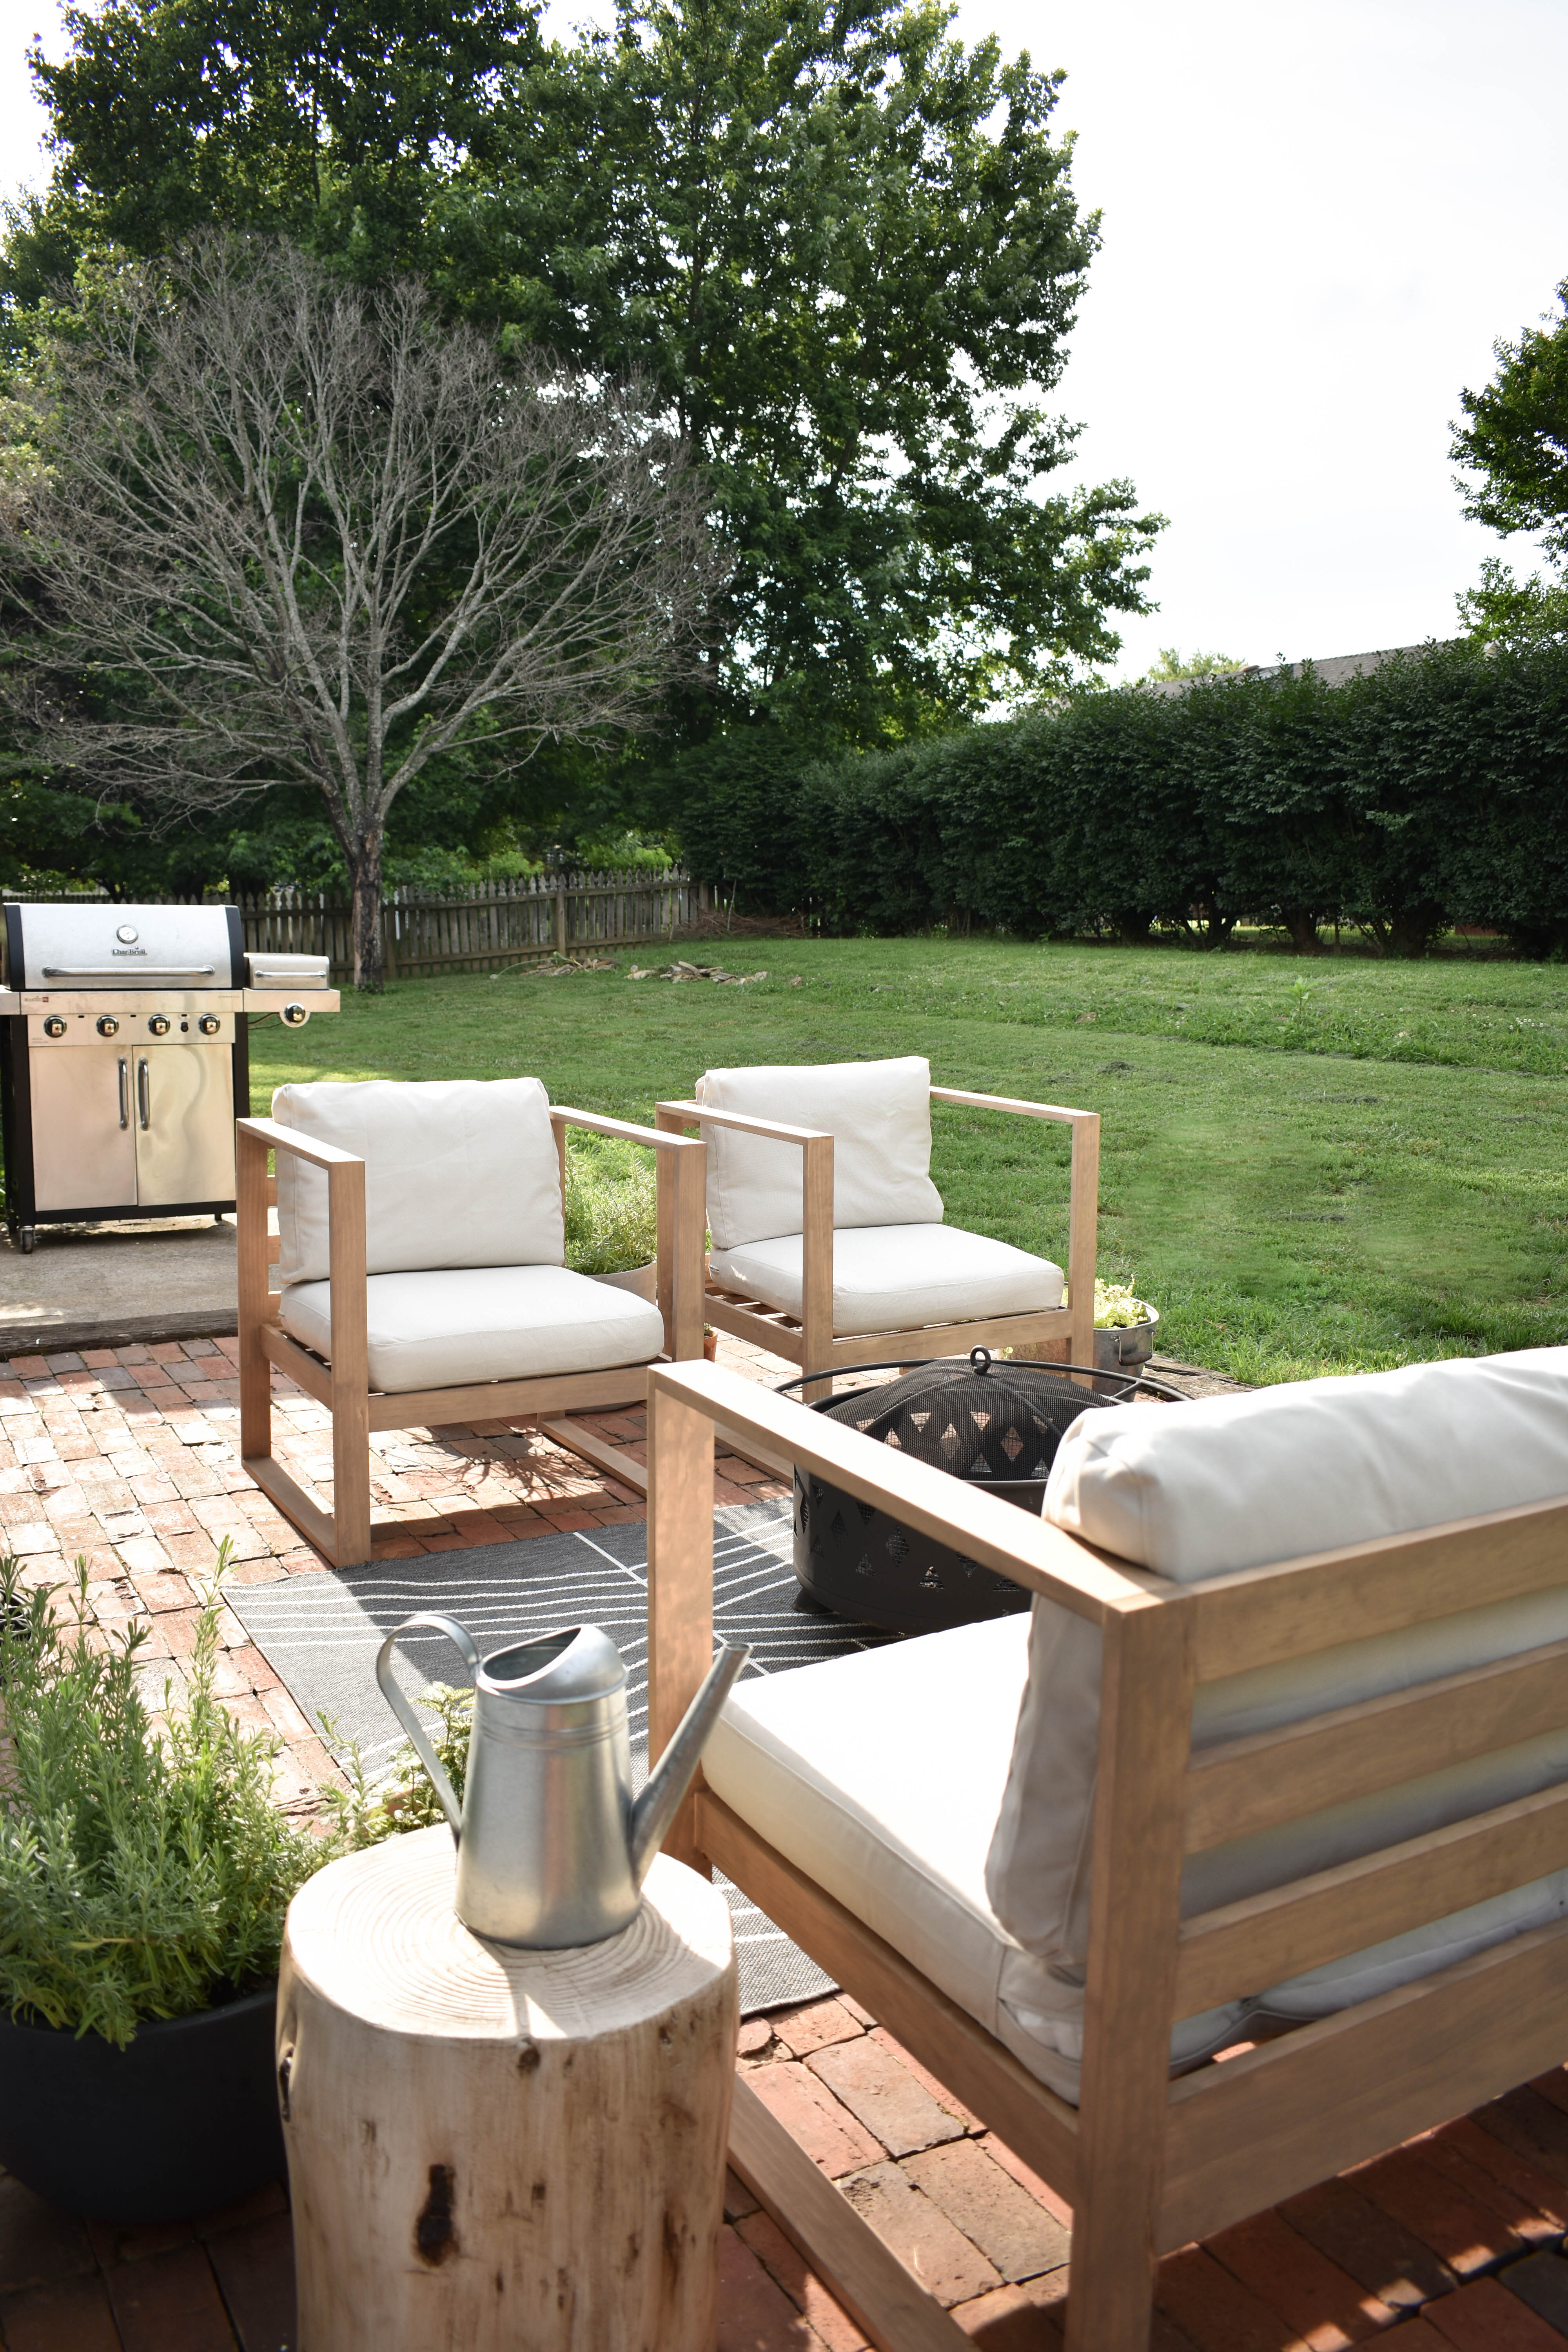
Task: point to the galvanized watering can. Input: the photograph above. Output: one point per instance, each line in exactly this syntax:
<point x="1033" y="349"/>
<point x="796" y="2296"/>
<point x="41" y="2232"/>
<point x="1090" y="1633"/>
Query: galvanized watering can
<point x="551" y="1847"/>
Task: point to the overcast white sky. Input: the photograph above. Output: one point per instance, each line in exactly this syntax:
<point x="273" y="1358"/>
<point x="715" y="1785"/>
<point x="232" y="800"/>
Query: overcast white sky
<point x="1317" y="220"/>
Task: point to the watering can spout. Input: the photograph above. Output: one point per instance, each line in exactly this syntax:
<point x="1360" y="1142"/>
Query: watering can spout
<point x="671" y="1776"/>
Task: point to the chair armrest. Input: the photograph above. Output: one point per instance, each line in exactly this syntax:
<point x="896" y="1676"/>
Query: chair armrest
<point x="1083" y="1198"/>
<point x="345" y="1229"/>
<point x="1008" y="1103"/>
<point x="681" y="1162"/>
<point x="816" y="1212"/>
<point x="278" y="1138"/>
<point x="655" y="1138"/>
<point x="692" y="1114"/>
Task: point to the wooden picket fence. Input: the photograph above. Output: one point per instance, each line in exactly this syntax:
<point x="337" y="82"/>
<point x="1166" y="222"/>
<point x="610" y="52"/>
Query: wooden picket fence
<point x="486" y="929"/>
<point x="489" y="927"/>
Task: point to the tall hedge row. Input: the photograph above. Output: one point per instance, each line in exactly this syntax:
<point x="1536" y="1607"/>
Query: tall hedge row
<point x="1432" y="790"/>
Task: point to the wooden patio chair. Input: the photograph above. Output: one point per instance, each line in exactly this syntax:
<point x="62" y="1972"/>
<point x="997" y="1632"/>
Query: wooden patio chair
<point x="1280" y="1758"/>
<point x="829" y="1246"/>
<point x="420" y="1257"/>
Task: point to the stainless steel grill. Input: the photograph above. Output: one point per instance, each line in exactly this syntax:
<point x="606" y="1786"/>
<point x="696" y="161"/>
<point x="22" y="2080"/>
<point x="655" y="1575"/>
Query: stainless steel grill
<point x="124" y="1057"/>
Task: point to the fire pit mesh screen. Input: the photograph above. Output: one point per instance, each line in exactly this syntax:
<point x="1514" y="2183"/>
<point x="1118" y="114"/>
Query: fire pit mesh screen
<point x="1004" y="1422"/>
<point x="990" y="1423"/>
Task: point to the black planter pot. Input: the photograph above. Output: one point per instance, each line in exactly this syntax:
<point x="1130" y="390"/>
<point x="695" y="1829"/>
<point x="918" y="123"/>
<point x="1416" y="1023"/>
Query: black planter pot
<point x="184" y="2119"/>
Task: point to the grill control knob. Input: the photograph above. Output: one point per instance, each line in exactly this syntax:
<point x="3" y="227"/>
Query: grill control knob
<point x="209" y="1025"/>
<point x="294" y="1016"/>
<point x="54" y="1026"/>
<point x="159" y="1025"/>
<point x="108" y="1026"/>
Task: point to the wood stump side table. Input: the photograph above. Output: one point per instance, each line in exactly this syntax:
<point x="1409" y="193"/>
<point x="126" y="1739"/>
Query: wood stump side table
<point x="497" y="2150"/>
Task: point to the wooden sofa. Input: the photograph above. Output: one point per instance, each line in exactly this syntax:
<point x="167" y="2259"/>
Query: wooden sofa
<point x="1148" y="2157"/>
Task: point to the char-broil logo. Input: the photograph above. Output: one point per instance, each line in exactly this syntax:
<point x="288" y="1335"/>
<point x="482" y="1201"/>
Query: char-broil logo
<point x="128" y="934"/>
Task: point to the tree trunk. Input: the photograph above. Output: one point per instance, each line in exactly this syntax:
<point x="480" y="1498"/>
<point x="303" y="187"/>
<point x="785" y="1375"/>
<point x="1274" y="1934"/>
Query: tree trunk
<point x="1413" y="927"/>
<point x="1302" y="923"/>
<point x="370" y="972"/>
<point x="492" y="2148"/>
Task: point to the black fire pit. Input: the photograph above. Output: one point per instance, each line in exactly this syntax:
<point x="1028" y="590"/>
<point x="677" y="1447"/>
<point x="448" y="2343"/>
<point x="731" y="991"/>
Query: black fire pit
<point x="993" y="1423"/>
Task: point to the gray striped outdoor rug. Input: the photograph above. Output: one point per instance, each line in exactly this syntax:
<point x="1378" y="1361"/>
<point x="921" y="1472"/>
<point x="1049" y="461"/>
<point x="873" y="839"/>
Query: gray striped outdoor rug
<point x="321" y="1634"/>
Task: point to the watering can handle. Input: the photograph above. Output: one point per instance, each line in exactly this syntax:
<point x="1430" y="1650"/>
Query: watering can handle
<point x="406" y="1716"/>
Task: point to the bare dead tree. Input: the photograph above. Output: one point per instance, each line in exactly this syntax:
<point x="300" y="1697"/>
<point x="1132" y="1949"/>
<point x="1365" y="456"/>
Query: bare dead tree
<point x="275" y="532"/>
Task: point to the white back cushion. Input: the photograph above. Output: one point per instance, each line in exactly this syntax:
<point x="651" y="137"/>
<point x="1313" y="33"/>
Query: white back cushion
<point x="1232" y="1483"/>
<point x="459" y="1172"/>
<point x="878" y="1115"/>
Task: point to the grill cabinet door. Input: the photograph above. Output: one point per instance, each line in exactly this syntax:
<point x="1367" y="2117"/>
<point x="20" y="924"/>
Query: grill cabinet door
<point x="82" y="1156"/>
<point x="184" y="1124"/>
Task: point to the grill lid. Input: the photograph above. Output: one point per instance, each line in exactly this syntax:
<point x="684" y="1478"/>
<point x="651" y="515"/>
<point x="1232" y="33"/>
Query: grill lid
<point x="99" y="945"/>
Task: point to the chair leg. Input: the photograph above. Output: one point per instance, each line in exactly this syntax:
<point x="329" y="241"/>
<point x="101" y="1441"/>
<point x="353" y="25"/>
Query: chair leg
<point x="1110" y="2284"/>
<point x="255" y="1371"/>
<point x="351" y="1477"/>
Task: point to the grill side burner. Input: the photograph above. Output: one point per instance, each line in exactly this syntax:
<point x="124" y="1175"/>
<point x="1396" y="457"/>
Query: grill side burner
<point x="124" y="1058"/>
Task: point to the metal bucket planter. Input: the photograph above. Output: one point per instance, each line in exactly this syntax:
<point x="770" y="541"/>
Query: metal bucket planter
<point x="183" y="2119"/>
<point x="1133" y="1343"/>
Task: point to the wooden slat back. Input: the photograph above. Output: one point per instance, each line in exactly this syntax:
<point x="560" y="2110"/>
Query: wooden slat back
<point x="1243" y="1786"/>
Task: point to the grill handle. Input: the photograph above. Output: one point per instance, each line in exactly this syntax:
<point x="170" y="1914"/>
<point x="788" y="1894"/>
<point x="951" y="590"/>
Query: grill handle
<point x="124" y="1092"/>
<point x="128" y="970"/>
<point x="143" y="1093"/>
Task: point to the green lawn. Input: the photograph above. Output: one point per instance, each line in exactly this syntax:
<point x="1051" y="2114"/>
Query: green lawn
<point x="1310" y="1166"/>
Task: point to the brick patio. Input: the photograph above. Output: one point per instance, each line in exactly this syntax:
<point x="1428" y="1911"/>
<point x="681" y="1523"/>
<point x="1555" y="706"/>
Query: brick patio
<point x="128" y="1458"/>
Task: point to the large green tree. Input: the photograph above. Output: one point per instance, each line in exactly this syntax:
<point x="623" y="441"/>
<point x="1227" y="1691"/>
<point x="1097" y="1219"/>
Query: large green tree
<point x="334" y="125"/>
<point x="842" y="248"/>
<point x="847" y="250"/>
<point x="1514" y="442"/>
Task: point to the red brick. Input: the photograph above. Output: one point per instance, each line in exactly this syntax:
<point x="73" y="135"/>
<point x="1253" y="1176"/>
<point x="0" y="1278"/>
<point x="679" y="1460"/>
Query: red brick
<point x="1215" y="2310"/>
<point x="738" y="2199"/>
<point x="254" y="2262"/>
<point x="785" y="2263"/>
<point x="884" y="2095"/>
<point x="1323" y="2303"/>
<point x="1027" y="2318"/>
<point x="1524" y="2215"/>
<point x="1483" y="2318"/>
<point x="1041" y="2191"/>
<point x="1019" y="2237"/>
<point x="1377" y="2250"/>
<point x="38" y="2246"/>
<point x="1532" y="2126"/>
<point x="72" y="2317"/>
<point x="816" y="2025"/>
<point x="947" y="2265"/>
<point x="170" y="2302"/>
<point x="1527" y="2181"/>
<point x="1466" y="2234"/>
<point x="754" y="2313"/>
<point x="286" y="1716"/>
<point x="812" y="2115"/>
<point x="923" y="2074"/>
<point x="755" y="2035"/>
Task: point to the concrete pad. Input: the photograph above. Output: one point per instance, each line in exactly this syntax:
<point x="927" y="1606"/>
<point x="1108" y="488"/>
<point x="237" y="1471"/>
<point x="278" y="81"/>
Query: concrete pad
<point x="113" y="1286"/>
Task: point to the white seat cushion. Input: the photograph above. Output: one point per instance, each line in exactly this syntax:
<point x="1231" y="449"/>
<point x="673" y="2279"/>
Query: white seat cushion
<point x="459" y="1172"/>
<point x="899" y="1277"/>
<point x="442" y="1330"/>
<point x="1228" y="1483"/>
<point x="878" y="1115"/>
<point x="880" y="1776"/>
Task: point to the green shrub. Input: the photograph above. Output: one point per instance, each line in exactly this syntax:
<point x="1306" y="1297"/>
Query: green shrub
<point x="612" y="1204"/>
<point x="1430" y="790"/>
<point x="145" y="1869"/>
